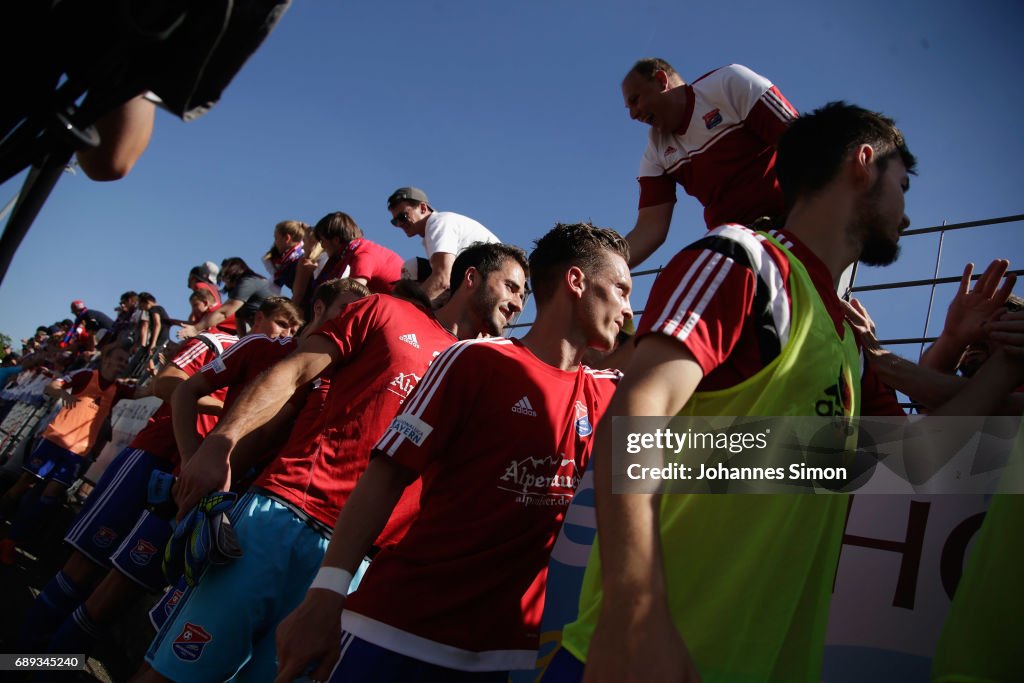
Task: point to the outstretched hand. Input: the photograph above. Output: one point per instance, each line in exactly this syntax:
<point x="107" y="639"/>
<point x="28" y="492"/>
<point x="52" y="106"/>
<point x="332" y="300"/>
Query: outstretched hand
<point x="970" y="309"/>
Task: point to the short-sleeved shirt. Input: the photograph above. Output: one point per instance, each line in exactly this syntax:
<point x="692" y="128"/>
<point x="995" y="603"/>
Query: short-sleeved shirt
<point x="385" y="346"/>
<point x="450" y="233"/>
<point x="157" y="437"/>
<point x="165" y="328"/>
<point x="724" y="155"/>
<point x="243" y="362"/>
<point x="500" y="440"/>
<point x="251" y="291"/>
<point x="378" y="265"/>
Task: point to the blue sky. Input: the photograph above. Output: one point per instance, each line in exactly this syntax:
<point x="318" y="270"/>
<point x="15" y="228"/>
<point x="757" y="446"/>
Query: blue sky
<point x="511" y="113"/>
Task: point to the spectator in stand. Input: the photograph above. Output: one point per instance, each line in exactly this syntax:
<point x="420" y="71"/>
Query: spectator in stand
<point x="445" y="234"/>
<point x="86" y="397"/>
<point x="286" y="254"/>
<point x="10" y="366"/>
<point x="309" y="267"/>
<point x="205" y="277"/>
<point x="716" y="137"/>
<point x="125" y="330"/>
<point x="88" y="328"/>
<point x="155" y="328"/>
<point x="245" y="290"/>
<point x="350" y="254"/>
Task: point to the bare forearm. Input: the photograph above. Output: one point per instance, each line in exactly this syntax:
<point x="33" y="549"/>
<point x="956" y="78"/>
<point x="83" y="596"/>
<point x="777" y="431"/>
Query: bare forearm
<point x="944" y="355"/>
<point x="626" y="521"/>
<point x="184" y="413"/>
<point x="435" y="285"/>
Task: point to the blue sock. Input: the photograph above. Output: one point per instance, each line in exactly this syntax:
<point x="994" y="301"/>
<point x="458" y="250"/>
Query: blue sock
<point x="58" y="599"/>
<point x="32" y="514"/>
<point x="77" y="635"/>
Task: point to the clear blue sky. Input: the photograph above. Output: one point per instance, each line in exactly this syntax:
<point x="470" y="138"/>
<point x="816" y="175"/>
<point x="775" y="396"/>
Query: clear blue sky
<point x="511" y="113"/>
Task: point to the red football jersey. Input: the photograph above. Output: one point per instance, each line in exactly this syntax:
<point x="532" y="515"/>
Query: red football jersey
<point x="157" y="437"/>
<point x="501" y="440"/>
<point x="386" y="345"/>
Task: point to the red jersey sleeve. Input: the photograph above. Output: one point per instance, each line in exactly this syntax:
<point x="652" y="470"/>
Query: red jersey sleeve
<point x="418" y="434"/>
<point x="876" y="398"/>
<point x="701" y="299"/>
<point x="349" y="331"/>
<point x="656" y="190"/>
<point x="229" y="368"/>
<point x="770" y="116"/>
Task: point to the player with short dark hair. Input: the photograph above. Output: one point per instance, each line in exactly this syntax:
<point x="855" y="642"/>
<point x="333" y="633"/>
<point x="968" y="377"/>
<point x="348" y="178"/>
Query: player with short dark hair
<point x="498" y="432"/>
<point x="374" y="353"/>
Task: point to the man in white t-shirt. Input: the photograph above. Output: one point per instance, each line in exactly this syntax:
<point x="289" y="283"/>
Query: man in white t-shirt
<point x="444" y="234"/>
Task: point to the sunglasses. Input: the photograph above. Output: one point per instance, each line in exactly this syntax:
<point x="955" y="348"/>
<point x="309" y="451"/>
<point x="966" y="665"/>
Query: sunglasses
<point x="400" y="219"/>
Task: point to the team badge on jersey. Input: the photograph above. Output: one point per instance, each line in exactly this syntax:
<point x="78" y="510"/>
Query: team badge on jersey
<point x="583" y="426"/>
<point x="105" y="537"/>
<point x="173" y="601"/>
<point x="712" y="118"/>
<point x="143" y="552"/>
<point x="190" y="643"/>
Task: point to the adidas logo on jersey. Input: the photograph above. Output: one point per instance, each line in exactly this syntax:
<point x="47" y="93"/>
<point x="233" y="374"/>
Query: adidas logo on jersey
<point x="411" y="340"/>
<point x="523" y="407"/>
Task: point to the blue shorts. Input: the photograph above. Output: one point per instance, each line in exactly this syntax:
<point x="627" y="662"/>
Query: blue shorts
<point x="53" y="462"/>
<point x="361" y="661"/>
<point x="112" y="510"/>
<point x="140" y="555"/>
<point x="223" y="628"/>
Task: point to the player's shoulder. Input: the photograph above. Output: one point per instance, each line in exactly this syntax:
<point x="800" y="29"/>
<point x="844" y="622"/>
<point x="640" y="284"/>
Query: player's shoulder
<point x="469" y="350"/>
<point x="602" y="375"/>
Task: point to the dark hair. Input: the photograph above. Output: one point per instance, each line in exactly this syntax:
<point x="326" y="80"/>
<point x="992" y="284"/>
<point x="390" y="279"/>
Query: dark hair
<point x="234" y="269"/>
<point x="146" y="296"/>
<point x="566" y="245"/>
<point x="813" y="148"/>
<point x="485" y="257"/>
<point x="330" y="290"/>
<point x="648" y="66"/>
<point x="337" y="224"/>
<point x="280" y="305"/>
<point x="129" y="295"/>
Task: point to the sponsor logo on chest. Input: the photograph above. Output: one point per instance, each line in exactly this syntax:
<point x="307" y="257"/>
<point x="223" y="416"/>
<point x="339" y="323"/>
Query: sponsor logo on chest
<point x="524" y="407"/>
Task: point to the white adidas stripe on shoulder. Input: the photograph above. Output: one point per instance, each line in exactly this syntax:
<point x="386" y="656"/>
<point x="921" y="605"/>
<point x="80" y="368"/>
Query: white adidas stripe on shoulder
<point x="711" y="268"/>
<point x="777" y="106"/>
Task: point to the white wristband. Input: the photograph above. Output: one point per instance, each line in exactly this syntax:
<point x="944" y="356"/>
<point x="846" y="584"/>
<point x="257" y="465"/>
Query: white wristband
<point x="333" y="579"/>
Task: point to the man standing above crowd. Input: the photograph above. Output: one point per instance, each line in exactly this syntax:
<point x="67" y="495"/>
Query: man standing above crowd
<point x="445" y="234"/>
<point x="716" y="137"/>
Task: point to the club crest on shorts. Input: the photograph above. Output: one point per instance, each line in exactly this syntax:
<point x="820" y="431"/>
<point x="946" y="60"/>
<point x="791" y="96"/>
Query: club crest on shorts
<point x="583" y="426"/>
<point x="105" y="537"/>
<point x="143" y="552"/>
<point x="190" y="643"/>
<point x="173" y="601"/>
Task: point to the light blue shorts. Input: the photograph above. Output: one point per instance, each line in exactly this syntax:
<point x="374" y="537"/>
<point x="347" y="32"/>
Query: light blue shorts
<point x="223" y="629"/>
